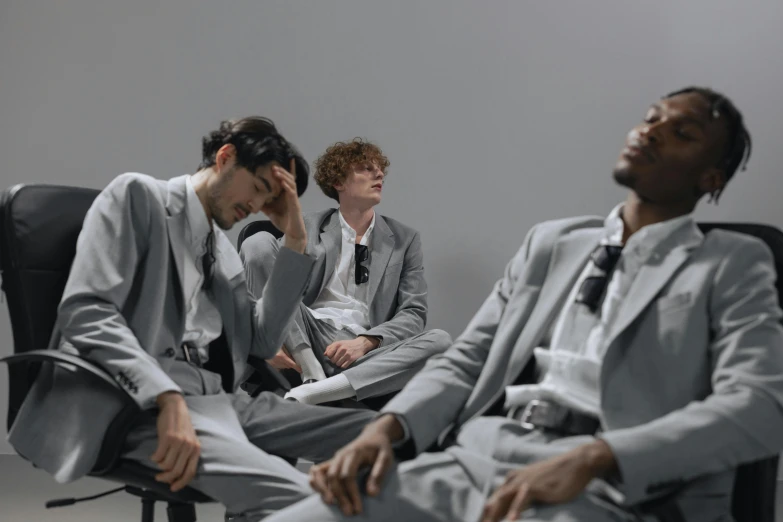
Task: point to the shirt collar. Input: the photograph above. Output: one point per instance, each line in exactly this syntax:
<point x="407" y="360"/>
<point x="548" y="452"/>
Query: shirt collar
<point x="349" y="234"/>
<point x="197" y="217"/>
<point x="650" y="235"/>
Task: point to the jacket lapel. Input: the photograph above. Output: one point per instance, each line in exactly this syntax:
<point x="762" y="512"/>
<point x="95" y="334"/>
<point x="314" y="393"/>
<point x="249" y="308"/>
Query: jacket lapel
<point x="176" y="222"/>
<point x="331" y="240"/>
<point x="568" y="259"/>
<point x="381" y="246"/>
<point x="654" y="275"/>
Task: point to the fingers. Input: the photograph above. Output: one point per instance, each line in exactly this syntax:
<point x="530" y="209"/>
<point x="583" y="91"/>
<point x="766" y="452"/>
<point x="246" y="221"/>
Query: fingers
<point x="520" y="503"/>
<point x="348" y="476"/>
<point x="174" y="472"/>
<point x="160" y="451"/>
<point x="318" y="482"/>
<point x="168" y="461"/>
<point x="290" y="363"/>
<point x="329" y="352"/>
<point x="286" y="179"/>
<point x="379" y="469"/>
<point x="345" y="361"/>
<point x="189" y="474"/>
<point x="336" y="485"/>
<point x="498" y="504"/>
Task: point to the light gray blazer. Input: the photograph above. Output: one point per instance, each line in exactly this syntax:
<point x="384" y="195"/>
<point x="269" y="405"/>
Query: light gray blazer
<point x="692" y="379"/>
<point x="398" y="291"/>
<point x="123" y="309"/>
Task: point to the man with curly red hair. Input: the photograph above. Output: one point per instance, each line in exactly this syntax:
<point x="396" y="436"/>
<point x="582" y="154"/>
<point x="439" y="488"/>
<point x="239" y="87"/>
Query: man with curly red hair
<point x="359" y="332"/>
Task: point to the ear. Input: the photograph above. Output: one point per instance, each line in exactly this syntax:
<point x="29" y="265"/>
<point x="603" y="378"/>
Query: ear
<point x="712" y="180"/>
<point x="225" y="157"/>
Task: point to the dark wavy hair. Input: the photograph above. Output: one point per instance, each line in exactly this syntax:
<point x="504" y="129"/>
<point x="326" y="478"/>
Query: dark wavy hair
<point x="258" y="143"/>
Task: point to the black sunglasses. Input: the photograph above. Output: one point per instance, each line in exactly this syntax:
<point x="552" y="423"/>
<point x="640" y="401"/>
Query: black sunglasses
<point x="362" y="274"/>
<point x="605" y="257"/>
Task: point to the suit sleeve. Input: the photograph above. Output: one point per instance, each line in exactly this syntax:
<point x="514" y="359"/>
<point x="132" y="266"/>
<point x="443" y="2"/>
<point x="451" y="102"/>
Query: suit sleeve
<point x="742" y="419"/>
<point x="282" y="295"/>
<point x="432" y="400"/>
<point x="411" y="314"/>
<point x="112" y="241"/>
<point x="277" y="278"/>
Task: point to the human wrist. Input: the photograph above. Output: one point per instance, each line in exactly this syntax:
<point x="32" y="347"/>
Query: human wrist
<point x="599" y="458"/>
<point x="370" y="342"/>
<point x="388" y="426"/>
<point x="296" y="243"/>
<point x="169" y="398"/>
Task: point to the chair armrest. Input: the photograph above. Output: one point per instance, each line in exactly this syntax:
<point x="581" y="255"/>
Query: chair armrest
<point x="267" y="377"/>
<point x="60" y="358"/>
<point x="117" y="431"/>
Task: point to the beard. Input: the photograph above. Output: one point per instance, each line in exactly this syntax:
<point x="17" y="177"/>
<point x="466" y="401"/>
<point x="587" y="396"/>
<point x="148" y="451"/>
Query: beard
<point x="216" y="196"/>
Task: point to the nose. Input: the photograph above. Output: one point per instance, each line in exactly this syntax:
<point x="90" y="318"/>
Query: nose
<point x="651" y="132"/>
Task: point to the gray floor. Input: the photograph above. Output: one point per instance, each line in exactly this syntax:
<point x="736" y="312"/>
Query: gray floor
<point x="24" y="490"/>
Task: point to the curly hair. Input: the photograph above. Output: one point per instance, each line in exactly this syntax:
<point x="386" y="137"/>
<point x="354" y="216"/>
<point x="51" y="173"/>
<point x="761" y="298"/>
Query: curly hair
<point x="335" y="164"/>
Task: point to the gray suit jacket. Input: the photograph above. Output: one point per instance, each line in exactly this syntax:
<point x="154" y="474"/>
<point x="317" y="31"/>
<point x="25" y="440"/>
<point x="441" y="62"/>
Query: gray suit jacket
<point x="398" y="291"/>
<point x="692" y="379"/>
<point x="123" y="309"/>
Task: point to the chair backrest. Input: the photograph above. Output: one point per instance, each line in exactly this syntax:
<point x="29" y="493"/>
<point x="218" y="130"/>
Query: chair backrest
<point x="39" y="226"/>
<point x="755" y="483"/>
<point x="262" y="225"/>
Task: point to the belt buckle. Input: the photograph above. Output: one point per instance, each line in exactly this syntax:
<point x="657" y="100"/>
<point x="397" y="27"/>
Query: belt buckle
<point x="527" y="412"/>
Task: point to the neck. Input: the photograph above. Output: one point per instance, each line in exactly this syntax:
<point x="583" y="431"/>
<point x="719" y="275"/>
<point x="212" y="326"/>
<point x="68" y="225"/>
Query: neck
<point x="200" y="181"/>
<point x="638" y="213"/>
<point x="358" y="219"/>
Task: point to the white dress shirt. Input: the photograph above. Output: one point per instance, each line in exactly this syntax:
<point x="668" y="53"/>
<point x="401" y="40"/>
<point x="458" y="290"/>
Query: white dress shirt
<point x="572" y="364"/>
<point x="342" y="302"/>
<point x="203" y="323"/>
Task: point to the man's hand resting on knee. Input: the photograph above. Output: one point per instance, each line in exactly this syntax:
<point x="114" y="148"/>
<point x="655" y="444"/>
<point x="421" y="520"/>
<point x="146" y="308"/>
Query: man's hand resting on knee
<point x="178" y="447"/>
<point x="553" y="481"/>
<point x="336" y="479"/>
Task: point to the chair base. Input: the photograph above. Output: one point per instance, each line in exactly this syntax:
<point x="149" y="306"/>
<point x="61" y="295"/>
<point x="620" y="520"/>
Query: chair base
<point x="176" y="511"/>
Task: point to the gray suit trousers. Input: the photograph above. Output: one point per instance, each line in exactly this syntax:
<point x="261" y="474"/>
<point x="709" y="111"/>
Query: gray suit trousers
<point x="386" y="369"/>
<point x="242" y="439"/>
<point x="454" y="485"/>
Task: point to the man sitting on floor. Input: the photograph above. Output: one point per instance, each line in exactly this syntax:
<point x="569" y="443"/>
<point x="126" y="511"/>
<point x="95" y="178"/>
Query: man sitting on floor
<point x="359" y="331"/>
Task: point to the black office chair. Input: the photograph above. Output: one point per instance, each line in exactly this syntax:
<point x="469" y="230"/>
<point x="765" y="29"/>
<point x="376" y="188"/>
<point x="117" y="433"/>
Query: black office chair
<point x="755" y="483"/>
<point x="262" y="225"/>
<point x="39" y="225"/>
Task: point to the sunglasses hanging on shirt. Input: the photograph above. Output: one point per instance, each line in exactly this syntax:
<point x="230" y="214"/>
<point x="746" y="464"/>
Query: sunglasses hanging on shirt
<point x="605" y="258"/>
<point x="362" y="274"/>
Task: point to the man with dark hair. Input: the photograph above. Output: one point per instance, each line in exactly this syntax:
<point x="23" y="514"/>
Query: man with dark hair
<point x="359" y="332"/>
<point x="621" y="369"/>
<point x="158" y="299"/>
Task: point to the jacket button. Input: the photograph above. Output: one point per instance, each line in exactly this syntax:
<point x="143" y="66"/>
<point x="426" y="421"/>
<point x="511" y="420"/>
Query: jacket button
<point x="170" y="352"/>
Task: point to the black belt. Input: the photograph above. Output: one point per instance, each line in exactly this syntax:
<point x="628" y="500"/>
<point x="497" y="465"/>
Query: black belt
<point x="190" y="354"/>
<point x="555" y="417"/>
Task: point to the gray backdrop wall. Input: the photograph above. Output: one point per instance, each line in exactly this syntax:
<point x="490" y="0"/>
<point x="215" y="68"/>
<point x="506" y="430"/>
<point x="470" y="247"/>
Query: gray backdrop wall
<point x="495" y="115"/>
